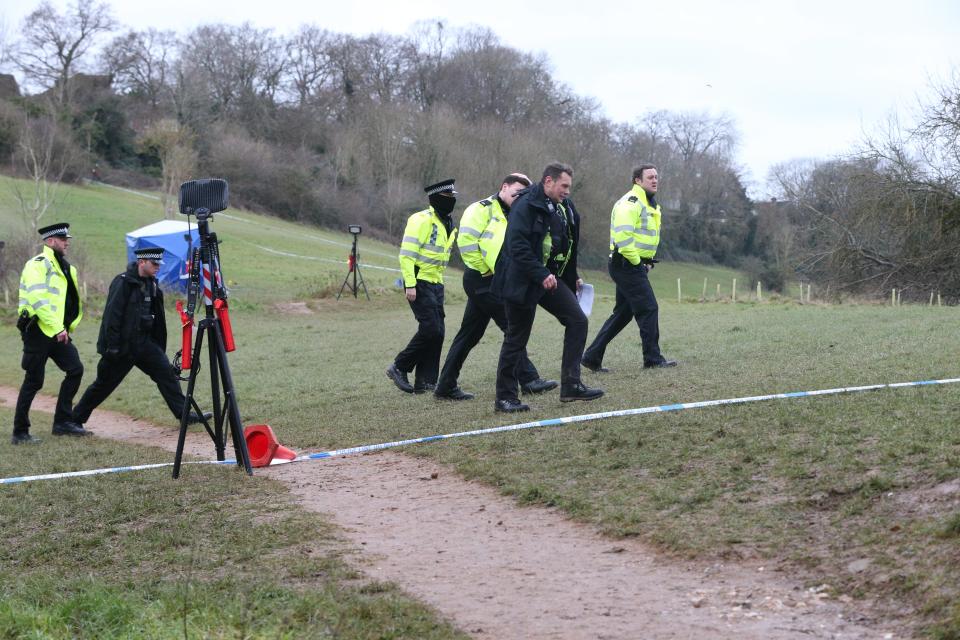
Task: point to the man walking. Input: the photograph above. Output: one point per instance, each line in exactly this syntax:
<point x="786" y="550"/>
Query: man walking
<point x="634" y="238"/>
<point x="482" y="231"/>
<point x="133" y="333"/>
<point x="424" y="253"/>
<point x="50" y="310"/>
<point x="539" y="266"/>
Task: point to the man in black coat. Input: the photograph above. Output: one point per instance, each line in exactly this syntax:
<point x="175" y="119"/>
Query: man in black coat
<point x="538" y="266"/>
<point x="133" y="333"/>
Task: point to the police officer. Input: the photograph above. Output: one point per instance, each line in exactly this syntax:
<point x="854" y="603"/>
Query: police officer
<point x="482" y="230"/>
<point x="50" y="309"/>
<point x="133" y="333"/>
<point x="539" y="266"/>
<point x="424" y="253"/>
<point x="634" y="238"/>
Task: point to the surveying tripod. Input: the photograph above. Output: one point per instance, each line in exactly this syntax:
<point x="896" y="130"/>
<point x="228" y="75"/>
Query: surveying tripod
<point x="353" y="267"/>
<point x="206" y="280"/>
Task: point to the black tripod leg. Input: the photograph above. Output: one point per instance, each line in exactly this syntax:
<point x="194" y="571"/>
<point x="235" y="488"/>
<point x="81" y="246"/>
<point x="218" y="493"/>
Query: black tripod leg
<point x="232" y="406"/>
<point x="191" y="384"/>
<point x="344" y="285"/>
<point x="215" y="348"/>
<point x="362" y="283"/>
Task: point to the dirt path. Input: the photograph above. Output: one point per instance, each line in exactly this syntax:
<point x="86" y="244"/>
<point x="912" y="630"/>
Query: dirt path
<point x="500" y="571"/>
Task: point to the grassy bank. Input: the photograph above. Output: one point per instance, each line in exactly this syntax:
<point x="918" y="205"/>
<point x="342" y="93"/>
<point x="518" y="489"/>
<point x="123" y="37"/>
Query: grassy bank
<point x="859" y="492"/>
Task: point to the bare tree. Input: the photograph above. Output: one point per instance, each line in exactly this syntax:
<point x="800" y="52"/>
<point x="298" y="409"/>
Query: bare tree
<point x="309" y="67"/>
<point x="52" y="45"/>
<point x="240" y="68"/>
<point x="173" y="143"/>
<point x="45" y="153"/>
<point x="142" y="63"/>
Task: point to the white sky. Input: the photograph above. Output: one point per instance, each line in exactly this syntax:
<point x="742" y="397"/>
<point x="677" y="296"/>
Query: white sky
<point x="800" y="79"/>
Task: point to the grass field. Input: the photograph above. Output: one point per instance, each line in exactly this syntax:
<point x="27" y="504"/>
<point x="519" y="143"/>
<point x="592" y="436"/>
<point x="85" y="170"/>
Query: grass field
<point x="857" y="492"/>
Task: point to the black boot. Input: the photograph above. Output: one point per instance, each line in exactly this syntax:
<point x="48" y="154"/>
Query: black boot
<point x="510" y="406"/>
<point x="538" y="386"/>
<point x="578" y="391"/>
<point x="399" y="378"/>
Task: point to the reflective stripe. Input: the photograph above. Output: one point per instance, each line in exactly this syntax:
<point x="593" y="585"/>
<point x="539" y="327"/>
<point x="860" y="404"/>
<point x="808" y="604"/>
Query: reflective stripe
<point x="411" y="239"/>
<point x="486" y="234"/>
<point x="54" y="291"/>
<point x="37" y="287"/>
<point x="647" y="232"/>
<point x="23" y="302"/>
<point x="644" y="221"/>
<point x="469" y="247"/>
<point x="42" y="303"/>
<point x="623" y="227"/>
<point x="649" y="247"/>
<point x="483" y="252"/>
<point x="624" y="243"/>
<point x="434" y="247"/>
<point x="469" y="230"/>
<point x="421" y="258"/>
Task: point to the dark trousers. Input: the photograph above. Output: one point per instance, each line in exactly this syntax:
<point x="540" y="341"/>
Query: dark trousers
<point x="149" y="358"/>
<point x="422" y="353"/>
<point x="482" y="306"/>
<point x="562" y="304"/>
<point x="635" y="300"/>
<point x="37" y="347"/>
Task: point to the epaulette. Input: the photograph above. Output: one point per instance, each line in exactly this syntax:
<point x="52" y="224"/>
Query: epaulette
<point x="485" y="203"/>
<point x="38" y="259"/>
<point x="632" y="199"/>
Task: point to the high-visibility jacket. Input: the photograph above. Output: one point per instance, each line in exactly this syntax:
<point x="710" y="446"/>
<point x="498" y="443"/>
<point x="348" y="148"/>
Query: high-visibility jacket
<point x="425" y="249"/>
<point x="483" y="228"/>
<point x="635" y="226"/>
<point x="43" y="292"/>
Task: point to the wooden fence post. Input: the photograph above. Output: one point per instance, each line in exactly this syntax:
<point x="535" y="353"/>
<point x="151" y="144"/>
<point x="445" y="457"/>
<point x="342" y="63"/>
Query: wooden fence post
<point x="679" y="294"/>
<point x="703" y="298"/>
<point x="734" y="290"/>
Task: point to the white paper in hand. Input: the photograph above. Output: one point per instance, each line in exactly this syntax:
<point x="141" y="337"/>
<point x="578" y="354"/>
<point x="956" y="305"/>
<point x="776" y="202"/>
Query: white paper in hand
<point x="585" y="298"/>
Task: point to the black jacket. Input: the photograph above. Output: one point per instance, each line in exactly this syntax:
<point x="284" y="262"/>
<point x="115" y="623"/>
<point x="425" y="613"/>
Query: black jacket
<point x="519" y="274"/>
<point x="128" y="319"/>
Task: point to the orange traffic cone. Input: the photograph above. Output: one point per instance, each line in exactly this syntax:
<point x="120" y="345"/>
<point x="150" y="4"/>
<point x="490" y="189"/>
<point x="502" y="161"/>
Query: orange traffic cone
<point x="263" y="447"/>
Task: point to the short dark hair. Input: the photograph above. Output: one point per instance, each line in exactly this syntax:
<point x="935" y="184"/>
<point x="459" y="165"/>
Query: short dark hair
<point x="638" y="171"/>
<point x="514" y="178"/>
<point x="555" y="169"/>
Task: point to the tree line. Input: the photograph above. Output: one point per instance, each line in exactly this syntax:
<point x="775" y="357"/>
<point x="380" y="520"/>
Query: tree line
<point x="331" y="128"/>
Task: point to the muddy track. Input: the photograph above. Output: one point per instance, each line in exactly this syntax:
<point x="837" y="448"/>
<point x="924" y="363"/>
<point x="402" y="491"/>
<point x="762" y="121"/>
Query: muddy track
<point x="497" y="570"/>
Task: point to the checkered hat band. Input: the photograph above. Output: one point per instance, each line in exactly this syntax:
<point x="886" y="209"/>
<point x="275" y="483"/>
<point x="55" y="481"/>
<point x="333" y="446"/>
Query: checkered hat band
<point x="443" y="187"/>
<point x="56" y="231"/>
<point x="149" y="254"/>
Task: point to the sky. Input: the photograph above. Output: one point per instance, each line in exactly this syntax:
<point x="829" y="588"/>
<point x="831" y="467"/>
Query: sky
<point x="799" y="79"/>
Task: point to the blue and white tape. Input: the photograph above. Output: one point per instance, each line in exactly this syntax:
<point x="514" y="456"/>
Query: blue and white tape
<point x="512" y="427"/>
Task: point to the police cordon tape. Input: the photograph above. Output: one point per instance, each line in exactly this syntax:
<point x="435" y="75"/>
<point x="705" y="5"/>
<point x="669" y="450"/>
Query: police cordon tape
<point x="512" y="427"/>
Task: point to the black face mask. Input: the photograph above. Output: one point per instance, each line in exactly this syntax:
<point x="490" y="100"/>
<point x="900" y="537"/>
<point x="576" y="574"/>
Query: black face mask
<point x="442" y="204"/>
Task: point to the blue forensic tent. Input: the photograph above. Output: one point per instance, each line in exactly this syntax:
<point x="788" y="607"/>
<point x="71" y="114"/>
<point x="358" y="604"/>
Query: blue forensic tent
<point x="171" y="236"/>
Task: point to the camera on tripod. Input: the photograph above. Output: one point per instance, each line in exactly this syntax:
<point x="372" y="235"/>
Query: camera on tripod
<point x="353" y="266"/>
<point x="203" y="198"/>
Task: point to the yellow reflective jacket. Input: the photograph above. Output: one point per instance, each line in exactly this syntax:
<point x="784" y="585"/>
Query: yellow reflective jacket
<point x="483" y="228"/>
<point x="43" y="292"/>
<point x="425" y="249"/>
<point x="635" y="226"/>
